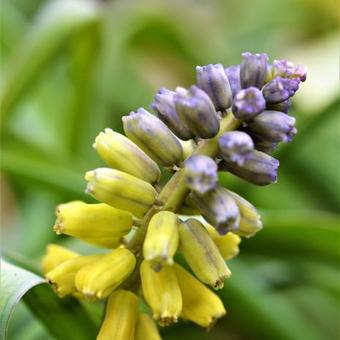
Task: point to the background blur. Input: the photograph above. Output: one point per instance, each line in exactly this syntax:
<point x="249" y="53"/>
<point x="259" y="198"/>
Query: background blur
<point x="70" y="68"/>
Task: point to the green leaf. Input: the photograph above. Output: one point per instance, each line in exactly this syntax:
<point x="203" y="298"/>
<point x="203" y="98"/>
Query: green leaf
<point x="50" y="173"/>
<point x="24" y="325"/>
<point x="311" y="160"/>
<point x="13" y="23"/>
<point x="14" y="283"/>
<point x="56" y="22"/>
<point x="21" y="261"/>
<point x="303" y="234"/>
<point x="32" y="229"/>
<point x="65" y="318"/>
<point x="261" y="314"/>
<point x="318" y="306"/>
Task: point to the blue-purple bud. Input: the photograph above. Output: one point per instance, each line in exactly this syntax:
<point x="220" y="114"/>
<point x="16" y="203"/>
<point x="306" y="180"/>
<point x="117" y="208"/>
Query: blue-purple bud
<point x="253" y="69"/>
<point x="283" y="106"/>
<point x="287" y="69"/>
<point x="213" y="80"/>
<point x="260" y="168"/>
<point x="248" y="103"/>
<point x="280" y="89"/>
<point x="197" y="111"/>
<point x="219" y="209"/>
<point x="235" y="146"/>
<point x="164" y="105"/>
<point x="200" y="173"/>
<point x="274" y="126"/>
<point x="233" y="74"/>
<point x="153" y="137"/>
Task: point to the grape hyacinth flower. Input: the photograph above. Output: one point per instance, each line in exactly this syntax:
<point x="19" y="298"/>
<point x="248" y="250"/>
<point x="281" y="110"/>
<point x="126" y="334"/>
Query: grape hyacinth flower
<point x="197" y="111"/>
<point x="213" y="80"/>
<point x="253" y="69"/>
<point x="248" y="103"/>
<point x="201" y="173"/>
<point x="259" y="168"/>
<point x="235" y="146"/>
<point x="218" y="208"/>
<point x="164" y="105"/>
<point x="231" y="121"/>
<point x="233" y="74"/>
<point x="274" y="126"/>
<point x="153" y="137"/>
<point x="287" y="69"/>
<point x="280" y="89"/>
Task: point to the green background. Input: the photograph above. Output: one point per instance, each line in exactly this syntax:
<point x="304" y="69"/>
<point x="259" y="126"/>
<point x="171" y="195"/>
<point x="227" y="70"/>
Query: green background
<point x="70" y="68"/>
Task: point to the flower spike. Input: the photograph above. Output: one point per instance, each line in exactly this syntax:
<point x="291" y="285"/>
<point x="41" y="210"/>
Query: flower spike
<point x="160" y="200"/>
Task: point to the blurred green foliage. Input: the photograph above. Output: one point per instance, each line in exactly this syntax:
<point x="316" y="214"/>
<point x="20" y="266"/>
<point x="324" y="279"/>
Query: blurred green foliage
<point x="70" y="68"/>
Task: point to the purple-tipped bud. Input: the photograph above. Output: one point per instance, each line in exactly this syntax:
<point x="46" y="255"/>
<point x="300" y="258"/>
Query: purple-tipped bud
<point x="287" y="69"/>
<point x="274" y="126"/>
<point x="260" y="168"/>
<point x="235" y="146"/>
<point x="283" y="106"/>
<point x="280" y="89"/>
<point x="197" y="111"/>
<point x="253" y="69"/>
<point x="164" y="105"/>
<point x="153" y="137"/>
<point x="213" y="80"/>
<point x="248" y="103"/>
<point x="233" y="74"/>
<point x="200" y="173"/>
<point x="219" y="209"/>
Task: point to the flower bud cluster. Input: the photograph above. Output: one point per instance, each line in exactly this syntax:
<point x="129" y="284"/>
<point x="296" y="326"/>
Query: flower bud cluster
<point x="261" y="100"/>
<point x="231" y="120"/>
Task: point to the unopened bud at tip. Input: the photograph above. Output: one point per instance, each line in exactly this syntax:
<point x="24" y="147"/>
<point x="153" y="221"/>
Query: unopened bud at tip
<point x="280" y="89"/>
<point x="285" y="68"/>
<point x="233" y="74"/>
<point x="253" y="69"/>
<point x="213" y="80"/>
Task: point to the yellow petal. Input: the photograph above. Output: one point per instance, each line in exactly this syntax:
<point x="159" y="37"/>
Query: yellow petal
<point x="98" y="224"/>
<point x="54" y="256"/>
<point x="161" y="239"/>
<point x="146" y="328"/>
<point x="202" y="254"/>
<point x="161" y="292"/>
<point x="120" y="317"/>
<point x="62" y="277"/>
<point x="200" y="304"/>
<point x="100" y="278"/>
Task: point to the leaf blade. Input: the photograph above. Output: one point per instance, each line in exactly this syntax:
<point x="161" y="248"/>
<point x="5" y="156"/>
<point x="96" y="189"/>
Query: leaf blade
<point x="54" y="24"/>
<point x="65" y="319"/>
<point x="14" y="282"/>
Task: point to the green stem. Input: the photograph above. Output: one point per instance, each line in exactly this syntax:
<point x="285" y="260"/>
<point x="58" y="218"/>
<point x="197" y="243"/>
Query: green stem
<point x="209" y="147"/>
<point x="175" y="191"/>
